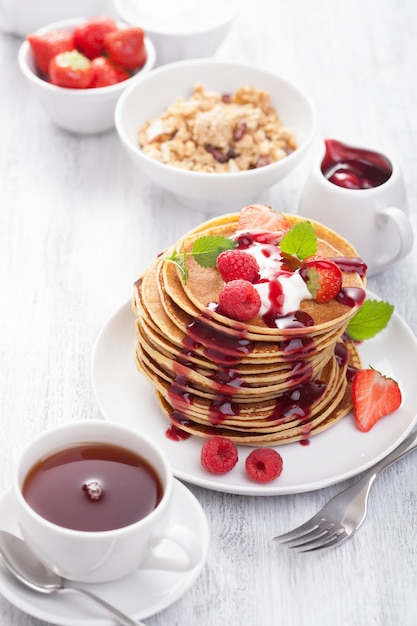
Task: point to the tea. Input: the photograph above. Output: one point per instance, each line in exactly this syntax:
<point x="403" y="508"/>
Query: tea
<point x="93" y="487"/>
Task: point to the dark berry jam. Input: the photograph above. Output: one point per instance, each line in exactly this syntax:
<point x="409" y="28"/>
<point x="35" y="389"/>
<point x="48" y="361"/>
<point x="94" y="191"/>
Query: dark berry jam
<point x="341" y="354"/>
<point x="351" y="264"/>
<point x="354" y="168"/>
<point x="351" y="296"/>
<point x="177" y="434"/>
<point x="297" y="402"/>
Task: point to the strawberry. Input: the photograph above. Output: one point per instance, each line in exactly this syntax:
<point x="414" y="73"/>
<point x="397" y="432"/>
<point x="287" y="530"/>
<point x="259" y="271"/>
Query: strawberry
<point x="322" y="277"/>
<point x="71" y="69"/>
<point x="374" y="396"/>
<point x="47" y="45"/>
<point x="106" y="73"/>
<point x="126" y="47"/>
<point x="89" y="36"/>
<point x="262" y="217"/>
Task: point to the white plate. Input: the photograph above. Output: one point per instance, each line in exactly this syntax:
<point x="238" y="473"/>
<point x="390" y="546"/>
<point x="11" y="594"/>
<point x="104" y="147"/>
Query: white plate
<point x="139" y="595"/>
<point x="125" y="396"/>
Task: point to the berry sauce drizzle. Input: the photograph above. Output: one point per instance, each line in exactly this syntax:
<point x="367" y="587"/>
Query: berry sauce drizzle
<point x="351" y="296"/>
<point x="224" y="348"/>
<point x="297" y="403"/>
<point x="351" y="264"/>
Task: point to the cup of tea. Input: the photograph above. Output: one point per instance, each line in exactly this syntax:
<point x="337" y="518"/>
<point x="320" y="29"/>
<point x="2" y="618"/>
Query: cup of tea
<point x="360" y="193"/>
<point x="93" y="501"/>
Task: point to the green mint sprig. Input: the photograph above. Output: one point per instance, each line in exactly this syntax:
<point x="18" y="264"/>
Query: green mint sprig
<point x="369" y="320"/>
<point x="205" y="252"/>
<point x="299" y="241"/>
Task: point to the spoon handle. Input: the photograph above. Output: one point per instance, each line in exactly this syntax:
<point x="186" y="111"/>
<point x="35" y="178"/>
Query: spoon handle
<point x="121" y="618"/>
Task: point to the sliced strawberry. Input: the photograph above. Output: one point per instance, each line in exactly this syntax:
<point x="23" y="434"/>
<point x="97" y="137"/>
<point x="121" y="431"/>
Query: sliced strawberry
<point x="126" y="47"/>
<point x="47" y="45"/>
<point x="322" y="277"/>
<point x="89" y="36"/>
<point x="71" y="69"/>
<point x="106" y="73"/>
<point x="262" y="217"/>
<point x="374" y="396"/>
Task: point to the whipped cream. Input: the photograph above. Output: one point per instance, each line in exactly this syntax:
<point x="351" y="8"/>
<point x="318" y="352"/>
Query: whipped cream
<point x="292" y="287"/>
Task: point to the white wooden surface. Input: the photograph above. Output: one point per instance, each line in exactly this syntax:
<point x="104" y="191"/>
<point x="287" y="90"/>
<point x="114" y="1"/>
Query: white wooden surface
<point x="77" y="225"/>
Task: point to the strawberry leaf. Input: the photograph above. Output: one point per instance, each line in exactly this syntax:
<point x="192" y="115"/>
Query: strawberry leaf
<point x="300" y="241"/>
<point x="206" y="249"/>
<point x="372" y="317"/>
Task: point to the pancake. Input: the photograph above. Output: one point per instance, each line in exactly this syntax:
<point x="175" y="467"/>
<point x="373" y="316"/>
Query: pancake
<point x="258" y="382"/>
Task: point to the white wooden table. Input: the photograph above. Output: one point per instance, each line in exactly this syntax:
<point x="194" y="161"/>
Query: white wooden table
<point x="78" y="224"/>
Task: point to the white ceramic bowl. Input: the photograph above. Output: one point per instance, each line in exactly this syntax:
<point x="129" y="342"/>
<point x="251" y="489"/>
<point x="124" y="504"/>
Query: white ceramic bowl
<point x="214" y="192"/>
<point x="181" y="29"/>
<point x="83" y="111"/>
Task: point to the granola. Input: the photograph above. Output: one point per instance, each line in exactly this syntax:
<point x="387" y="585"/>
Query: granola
<point x="213" y="132"/>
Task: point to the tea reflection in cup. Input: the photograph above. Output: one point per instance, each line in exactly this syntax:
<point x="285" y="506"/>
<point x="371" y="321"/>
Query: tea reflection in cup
<point x="93" y="500"/>
<point x="360" y="193"/>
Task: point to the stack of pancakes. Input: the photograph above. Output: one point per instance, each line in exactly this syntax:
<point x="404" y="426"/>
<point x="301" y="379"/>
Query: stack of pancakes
<point x="255" y="384"/>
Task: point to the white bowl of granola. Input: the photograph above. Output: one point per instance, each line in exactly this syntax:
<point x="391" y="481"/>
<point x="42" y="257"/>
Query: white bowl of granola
<point x="216" y="134"/>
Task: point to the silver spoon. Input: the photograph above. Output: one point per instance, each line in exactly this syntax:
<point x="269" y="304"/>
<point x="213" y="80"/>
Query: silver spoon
<point x="19" y="559"/>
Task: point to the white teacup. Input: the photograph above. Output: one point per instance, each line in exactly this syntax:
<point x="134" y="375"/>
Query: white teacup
<point x="373" y="219"/>
<point x="104" y="555"/>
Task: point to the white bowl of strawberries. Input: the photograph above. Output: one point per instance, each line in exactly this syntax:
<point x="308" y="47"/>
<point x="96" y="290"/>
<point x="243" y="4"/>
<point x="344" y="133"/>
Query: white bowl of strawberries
<point x="78" y="68"/>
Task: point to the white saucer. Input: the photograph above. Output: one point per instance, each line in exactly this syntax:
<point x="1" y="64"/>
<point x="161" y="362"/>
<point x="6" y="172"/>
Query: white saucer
<point x="139" y="595"/>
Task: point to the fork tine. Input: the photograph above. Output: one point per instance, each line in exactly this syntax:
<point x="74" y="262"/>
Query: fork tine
<point x="328" y="540"/>
<point x="316" y="534"/>
<point x="305" y="528"/>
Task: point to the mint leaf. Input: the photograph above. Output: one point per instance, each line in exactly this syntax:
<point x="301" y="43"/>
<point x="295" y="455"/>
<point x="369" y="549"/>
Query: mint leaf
<point x="206" y="249"/>
<point x="179" y="260"/>
<point x="372" y="317"/>
<point x="300" y="241"/>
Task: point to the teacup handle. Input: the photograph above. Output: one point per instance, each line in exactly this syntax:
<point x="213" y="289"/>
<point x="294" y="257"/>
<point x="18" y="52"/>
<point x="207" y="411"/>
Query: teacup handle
<point x="404" y="229"/>
<point x="188" y="543"/>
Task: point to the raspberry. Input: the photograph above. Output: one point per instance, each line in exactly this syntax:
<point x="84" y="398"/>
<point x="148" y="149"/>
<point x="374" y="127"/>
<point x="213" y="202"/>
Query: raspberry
<point x="264" y="465"/>
<point x="219" y="455"/>
<point x="239" y="300"/>
<point x="234" y="264"/>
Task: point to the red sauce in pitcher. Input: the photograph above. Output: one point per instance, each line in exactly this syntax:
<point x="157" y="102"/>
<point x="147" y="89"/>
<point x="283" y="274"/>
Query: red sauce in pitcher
<point x="354" y="168"/>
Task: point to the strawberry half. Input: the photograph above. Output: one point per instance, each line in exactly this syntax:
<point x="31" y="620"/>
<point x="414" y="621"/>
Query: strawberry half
<point x="260" y="217"/>
<point x="374" y="396"/>
<point x="47" y="45"/>
<point x="322" y="277"/>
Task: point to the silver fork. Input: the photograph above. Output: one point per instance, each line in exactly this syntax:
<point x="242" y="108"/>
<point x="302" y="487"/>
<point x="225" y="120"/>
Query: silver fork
<point x="341" y="517"/>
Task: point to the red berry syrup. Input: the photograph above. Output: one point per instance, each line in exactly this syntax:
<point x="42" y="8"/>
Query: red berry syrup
<point x="354" y="168"/>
